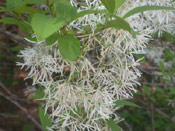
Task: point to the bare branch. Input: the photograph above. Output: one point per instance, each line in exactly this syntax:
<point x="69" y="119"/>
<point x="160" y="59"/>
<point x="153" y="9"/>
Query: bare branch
<point x="7" y="116"/>
<point x="28" y="115"/>
<point x="2" y="85"/>
<point x="14" y="36"/>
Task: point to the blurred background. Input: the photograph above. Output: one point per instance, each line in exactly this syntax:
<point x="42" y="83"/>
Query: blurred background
<point x="155" y="96"/>
<point x="16" y="109"/>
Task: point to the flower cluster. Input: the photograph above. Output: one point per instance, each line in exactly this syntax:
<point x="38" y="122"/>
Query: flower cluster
<point x="80" y="95"/>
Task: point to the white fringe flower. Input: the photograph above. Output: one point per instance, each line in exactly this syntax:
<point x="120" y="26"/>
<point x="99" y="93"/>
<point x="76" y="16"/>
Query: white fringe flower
<point x="82" y="95"/>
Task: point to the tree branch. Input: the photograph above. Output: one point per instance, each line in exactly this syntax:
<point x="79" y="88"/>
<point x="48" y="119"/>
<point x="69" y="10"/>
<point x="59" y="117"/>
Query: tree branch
<point x="28" y="115"/>
<point x="14" y="37"/>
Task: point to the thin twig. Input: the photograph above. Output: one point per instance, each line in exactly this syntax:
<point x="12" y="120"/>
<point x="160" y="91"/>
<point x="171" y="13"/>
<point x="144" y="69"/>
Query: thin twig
<point x="7" y="115"/>
<point x="20" y="99"/>
<point x="3" y="86"/>
<point x="81" y="35"/>
<point x="29" y="116"/>
<point x="14" y="36"/>
<point x="12" y="96"/>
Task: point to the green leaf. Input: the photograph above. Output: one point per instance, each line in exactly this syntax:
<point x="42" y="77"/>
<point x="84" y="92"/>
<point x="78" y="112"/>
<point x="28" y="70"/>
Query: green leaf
<point x="69" y="47"/>
<point x="140" y="56"/>
<point x="41" y="2"/>
<point x="25" y="9"/>
<point x="146" y="8"/>
<point x="162" y="67"/>
<point x="86" y="12"/>
<point x="120" y="23"/>
<point x="118" y="3"/>
<point x="124" y="103"/>
<point x="14" y="3"/>
<point x="44" y="118"/>
<point x="38" y="94"/>
<point x="99" y="28"/>
<point x="65" y="10"/>
<point x="11" y="4"/>
<point x="109" y="4"/>
<point x="30" y="38"/>
<point x="112" y="5"/>
<point x="111" y="124"/>
<point x="8" y="20"/>
<point x="168" y="55"/>
<point x="80" y="112"/>
<point x="2" y="9"/>
<point x="45" y="26"/>
<point x="168" y="37"/>
<point x="52" y="39"/>
<point x="117" y="24"/>
<point x="169" y="73"/>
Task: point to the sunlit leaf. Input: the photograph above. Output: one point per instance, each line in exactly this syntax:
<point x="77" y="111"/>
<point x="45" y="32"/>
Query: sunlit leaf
<point x="118" y="3"/>
<point x="109" y="4"/>
<point x="45" y="26"/>
<point x="146" y="8"/>
<point x="87" y="12"/>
